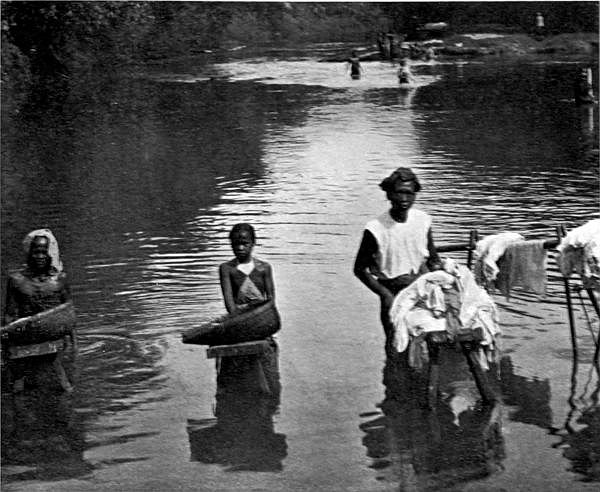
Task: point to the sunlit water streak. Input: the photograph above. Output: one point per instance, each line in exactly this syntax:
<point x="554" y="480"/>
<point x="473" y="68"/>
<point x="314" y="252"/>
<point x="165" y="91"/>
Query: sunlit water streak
<point x="320" y="183"/>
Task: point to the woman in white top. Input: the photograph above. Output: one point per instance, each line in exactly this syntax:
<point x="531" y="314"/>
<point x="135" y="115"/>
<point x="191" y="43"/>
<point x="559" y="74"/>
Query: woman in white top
<point x="397" y="246"/>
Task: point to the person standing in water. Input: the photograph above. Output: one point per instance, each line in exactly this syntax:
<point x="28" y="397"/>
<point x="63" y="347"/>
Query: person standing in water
<point x="540" y="28"/>
<point x="397" y="246"/>
<point x="42" y="285"/>
<point x="245" y="282"/>
<point x="405" y="76"/>
<point x="355" y="66"/>
<point x="584" y="91"/>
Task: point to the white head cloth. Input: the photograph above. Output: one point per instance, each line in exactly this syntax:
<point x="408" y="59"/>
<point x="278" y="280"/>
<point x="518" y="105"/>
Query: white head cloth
<point x="52" y="246"/>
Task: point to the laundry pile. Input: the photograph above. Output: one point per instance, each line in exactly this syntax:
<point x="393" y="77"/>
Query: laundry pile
<point x="446" y="301"/>
<point x="454" y="301"/>
<point x="579" y="251"/>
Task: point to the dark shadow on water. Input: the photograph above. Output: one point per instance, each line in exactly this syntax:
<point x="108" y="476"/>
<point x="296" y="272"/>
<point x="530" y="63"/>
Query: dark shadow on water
<point x="44" y="429"/>
<point x="459" y="441"/>
<point x="425" y="449"/>
<point x="582" y="447"/>
<point x="438" y="449"/>
<point x="42" y="433"/>
<point x="529" y="398"/>
<point x="243" y="438"/>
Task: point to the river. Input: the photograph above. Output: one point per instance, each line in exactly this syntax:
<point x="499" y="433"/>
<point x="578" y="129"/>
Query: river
<point x="141" y="178"/>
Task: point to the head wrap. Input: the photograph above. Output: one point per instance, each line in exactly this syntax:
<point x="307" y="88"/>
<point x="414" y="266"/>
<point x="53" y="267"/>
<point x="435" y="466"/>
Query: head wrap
<point x="52" y="247"/>
<point x="400" y="174"/>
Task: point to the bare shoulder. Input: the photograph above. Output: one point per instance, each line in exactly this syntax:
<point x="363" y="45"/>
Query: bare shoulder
<point x="262" y="265"/>
<point x="227" y="266"/>
<point x="16" y="279"/>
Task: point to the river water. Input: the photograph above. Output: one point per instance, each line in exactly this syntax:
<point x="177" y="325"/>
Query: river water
<point x="141" y="178"/>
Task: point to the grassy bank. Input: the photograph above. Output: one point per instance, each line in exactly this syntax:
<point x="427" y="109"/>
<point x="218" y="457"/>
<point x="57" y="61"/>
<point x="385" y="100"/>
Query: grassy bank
<point x="518" y="44"/>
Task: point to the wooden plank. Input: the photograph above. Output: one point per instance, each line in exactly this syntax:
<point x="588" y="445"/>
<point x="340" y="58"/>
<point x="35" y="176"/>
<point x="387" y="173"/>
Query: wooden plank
<point x="449" y="248"/>
<point x="238" y="349"/>
<point x="468" y="335"/>
<point x="462" y="335"/>
<point x="33" y="350"/>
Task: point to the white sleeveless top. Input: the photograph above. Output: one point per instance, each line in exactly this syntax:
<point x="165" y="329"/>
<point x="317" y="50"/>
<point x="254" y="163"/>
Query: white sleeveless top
<point x="402" y="245"/>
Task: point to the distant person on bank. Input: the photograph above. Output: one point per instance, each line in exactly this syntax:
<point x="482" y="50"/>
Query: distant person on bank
<point x="397" y="247"/>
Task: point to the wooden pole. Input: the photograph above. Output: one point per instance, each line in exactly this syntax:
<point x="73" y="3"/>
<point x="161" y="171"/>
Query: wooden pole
<point x="473" y="237"/>
<point x="594" y="301"/>
<point x="560" y="232"/>
<point x="597" y="309"/>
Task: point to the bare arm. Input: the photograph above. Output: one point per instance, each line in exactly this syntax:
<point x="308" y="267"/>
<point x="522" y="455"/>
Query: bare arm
<point x="11" y="310"/>
<point x="433" y="262"/>
<point x="269" y="284"/>
<point x="226" y="289"/>
<point x="65" y="291"/>
<point x="363" y="263"/>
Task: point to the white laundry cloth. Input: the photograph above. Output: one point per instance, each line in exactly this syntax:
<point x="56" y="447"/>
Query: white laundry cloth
<point x="421" y="307"/>
<point x="488" y="251"/>
<point x="579" y="251"/>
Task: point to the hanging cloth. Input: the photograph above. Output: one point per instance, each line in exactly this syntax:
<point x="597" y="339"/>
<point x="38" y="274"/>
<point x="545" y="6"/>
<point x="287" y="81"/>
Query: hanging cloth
<point x="523" y="265"/>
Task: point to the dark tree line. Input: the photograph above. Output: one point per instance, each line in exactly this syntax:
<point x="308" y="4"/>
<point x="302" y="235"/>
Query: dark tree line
<point x="59" y="38"/>
<point x="512" y="16"/>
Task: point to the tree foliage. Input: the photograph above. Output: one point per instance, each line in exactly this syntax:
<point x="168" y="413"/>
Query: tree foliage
<point x="53" y="37"/>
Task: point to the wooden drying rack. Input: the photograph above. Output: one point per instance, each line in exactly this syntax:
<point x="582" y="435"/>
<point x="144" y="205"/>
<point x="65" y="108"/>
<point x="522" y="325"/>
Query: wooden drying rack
<point x="469" y="346"/>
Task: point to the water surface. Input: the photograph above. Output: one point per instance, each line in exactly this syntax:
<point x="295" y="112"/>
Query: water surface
<point x="141" y="180"/>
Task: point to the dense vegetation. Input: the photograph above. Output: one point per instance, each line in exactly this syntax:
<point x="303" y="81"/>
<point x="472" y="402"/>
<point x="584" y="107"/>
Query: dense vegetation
<point x="59" y="39"/>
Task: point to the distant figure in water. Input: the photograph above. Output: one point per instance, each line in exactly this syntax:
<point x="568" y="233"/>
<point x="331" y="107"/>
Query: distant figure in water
<point x="355" y="67"/>
<point x="405" y="76"/>
<point x="540" y="28"/>
<point x="247" y="281"/>
<point x="42" y="285"/>
<point x="584" y="93"/>
<point x="429" y="54"/>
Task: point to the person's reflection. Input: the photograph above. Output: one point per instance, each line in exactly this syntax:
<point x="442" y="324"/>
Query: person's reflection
<point x="405" y="97"/>
<point x="41" y="431"/>
<point x="243" y="436"/>
<point x="582" y="447"/>
<point x="588" y="142"/>
<point x="580" y="435"/>
<point x="419" y="448"/>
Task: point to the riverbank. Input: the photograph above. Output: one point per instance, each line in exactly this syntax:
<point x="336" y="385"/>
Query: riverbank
<point x="576" y="46"/>
<point x="481" y="44"/>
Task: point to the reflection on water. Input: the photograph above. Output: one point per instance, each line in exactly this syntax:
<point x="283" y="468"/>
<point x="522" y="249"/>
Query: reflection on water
<point x="582" y="447"/>
<point x="460" y="440"/>
<point x="42" y="437"/>
<point x="242" y="438"/>
<point x="579" y="435"/>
